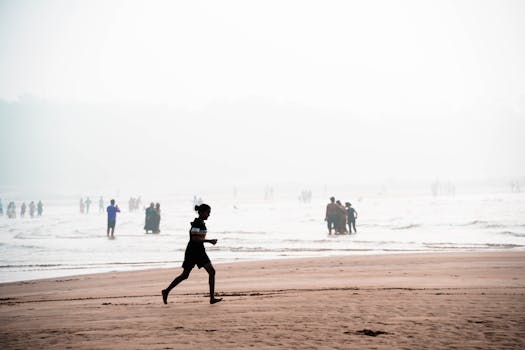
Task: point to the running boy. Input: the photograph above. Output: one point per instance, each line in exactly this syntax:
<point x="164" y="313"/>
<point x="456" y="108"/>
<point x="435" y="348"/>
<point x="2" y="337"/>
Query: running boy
<point x="196" y="254"/>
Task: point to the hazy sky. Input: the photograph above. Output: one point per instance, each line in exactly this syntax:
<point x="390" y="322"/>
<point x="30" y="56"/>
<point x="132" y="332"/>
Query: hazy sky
<point x="310" y="91"/>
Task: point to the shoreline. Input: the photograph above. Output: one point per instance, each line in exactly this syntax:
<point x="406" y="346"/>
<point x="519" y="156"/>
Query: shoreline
<point x="262" y="260"/>
<point x="436" y="301"/>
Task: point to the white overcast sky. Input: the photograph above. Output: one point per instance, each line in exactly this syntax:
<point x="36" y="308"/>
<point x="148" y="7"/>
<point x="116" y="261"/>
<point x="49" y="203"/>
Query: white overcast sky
<point x="361" y="89"/>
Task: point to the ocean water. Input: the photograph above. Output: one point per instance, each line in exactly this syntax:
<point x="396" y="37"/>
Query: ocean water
<point x="64" y="242"/>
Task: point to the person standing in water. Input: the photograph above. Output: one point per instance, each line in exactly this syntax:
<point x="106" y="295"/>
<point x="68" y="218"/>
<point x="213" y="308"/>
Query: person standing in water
<point x="32" y="208"/>
<point x="101" y="205"/>
<point x="351" y="215"/>
<point x="23" y="210"/>
<point x="156" y="228"/>
<point x="88" y="204"/>
<point x="150" y="218"/>
<point x="40" y="208"/>
<point x="112" y="216"/>
<point x="331" y="215"/>
<point x="196" y="254"/>
<point x="340" y="224"/>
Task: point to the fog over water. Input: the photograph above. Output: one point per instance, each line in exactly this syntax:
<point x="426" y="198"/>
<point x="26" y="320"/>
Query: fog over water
<point x="249" y="142"/>
<point x="358" y="99"/>
<point x="111" y="93"/>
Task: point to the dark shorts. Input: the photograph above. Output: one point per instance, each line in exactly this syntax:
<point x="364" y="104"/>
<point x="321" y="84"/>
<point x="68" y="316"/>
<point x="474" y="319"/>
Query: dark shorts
<point x="195" y="255"/>
<point x="111" y="224"/>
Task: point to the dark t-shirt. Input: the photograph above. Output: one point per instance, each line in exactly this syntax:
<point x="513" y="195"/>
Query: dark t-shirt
<point x="350" y="212"/>
<point x="198" y="227"/>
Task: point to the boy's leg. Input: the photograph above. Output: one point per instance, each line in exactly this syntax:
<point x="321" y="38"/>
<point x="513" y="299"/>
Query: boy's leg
<point x="184" y="275"/>
<point x="211" y="279"/>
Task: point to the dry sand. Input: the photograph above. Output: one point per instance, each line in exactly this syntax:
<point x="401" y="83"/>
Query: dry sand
<point x="421" y="301"/>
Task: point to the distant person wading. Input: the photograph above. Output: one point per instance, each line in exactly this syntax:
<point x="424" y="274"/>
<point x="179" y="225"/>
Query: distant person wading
<point x="351" y="214"/>
<point x="112" y="217"/>
<point x="331" y="215"/>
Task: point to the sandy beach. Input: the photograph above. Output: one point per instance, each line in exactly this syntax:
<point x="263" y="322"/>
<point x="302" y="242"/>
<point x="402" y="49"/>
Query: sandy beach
<point x="420" y="301"/>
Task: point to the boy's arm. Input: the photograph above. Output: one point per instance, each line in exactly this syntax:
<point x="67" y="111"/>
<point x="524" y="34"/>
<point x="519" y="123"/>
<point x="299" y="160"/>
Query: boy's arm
<point x="198" y="236"/>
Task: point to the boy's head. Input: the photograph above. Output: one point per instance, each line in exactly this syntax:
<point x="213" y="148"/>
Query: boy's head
<point x="204" y="210"/>
<point x="112" y="202"/>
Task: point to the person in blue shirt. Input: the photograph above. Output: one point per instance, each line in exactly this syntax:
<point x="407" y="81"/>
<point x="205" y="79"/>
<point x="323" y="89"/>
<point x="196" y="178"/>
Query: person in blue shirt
<point x="196" y="254"/>
<point x="112" y="216"/>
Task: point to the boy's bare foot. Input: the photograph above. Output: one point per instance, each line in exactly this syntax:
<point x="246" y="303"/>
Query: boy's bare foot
<point x="164" y="296"/>
<point x="215" y="300"/>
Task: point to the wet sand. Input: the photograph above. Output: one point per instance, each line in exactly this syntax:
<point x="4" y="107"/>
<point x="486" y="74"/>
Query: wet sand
<point x="420" y="301"/>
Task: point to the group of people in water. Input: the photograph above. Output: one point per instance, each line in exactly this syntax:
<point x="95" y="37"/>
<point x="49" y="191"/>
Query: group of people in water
<point x="305" y="196"/>
<point x="152" y="221"/>
<point x="37" y="209"/>
<point x="134" y="204"/>
<point x="338" y="217"/>
<point x="85" y="204"/>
